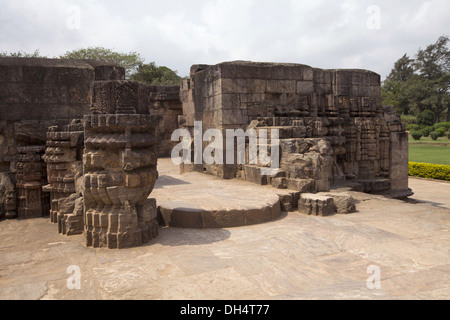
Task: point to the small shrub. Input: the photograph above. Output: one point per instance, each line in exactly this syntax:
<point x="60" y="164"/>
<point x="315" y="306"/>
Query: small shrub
<point x="412" y="127"/>
<point x="426" y="131"/>
<point x="409" y="119"/>
<point x="441" y="131"/>
<point x="448" y="136"/>
<point x="435" y="135"/>
<point x="445" y="125"/>
<point x="429" y="171"/>
<point x="416" y="135"/>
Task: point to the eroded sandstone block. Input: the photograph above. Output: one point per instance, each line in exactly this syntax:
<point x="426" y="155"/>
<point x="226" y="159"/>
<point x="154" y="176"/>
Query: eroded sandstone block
<point x="289" y="202"/>
<point x="317" y="205"/>
<point x="344" y="203"/>
<point x="325" y="204"/>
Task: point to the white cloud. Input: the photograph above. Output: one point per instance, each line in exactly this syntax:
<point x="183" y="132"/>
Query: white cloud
<point x="178" y="33"/>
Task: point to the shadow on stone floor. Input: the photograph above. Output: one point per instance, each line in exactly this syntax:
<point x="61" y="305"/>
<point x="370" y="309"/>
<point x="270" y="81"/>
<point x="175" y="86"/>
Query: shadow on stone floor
<point x="283" y="216"/>
<point x="164" y="181"/>
<point x="419" y="201"/>
<point x="177" y="237"/>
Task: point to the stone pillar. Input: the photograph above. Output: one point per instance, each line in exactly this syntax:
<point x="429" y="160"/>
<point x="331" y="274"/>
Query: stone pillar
<point x="119" y="164"/>
<point x="399" y="162"/>
<point x="64" y="165"/>
<point x="30" y="178"/>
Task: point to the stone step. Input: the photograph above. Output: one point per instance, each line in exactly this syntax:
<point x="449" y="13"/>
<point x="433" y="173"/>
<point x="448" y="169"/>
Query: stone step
<point x="195" y="200"/>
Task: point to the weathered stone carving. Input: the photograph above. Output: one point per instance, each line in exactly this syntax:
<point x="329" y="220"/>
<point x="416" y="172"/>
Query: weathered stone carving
<point x="7" y="196"/>
<point x="119" y="168"/>
<point x="325" y="204"/>
<point x="10" y="204"/>
<point x="36" y="94"/>
<point x="165" y="103"/>
<point x="64" y="166"/>
<point x="318" y="205"/>
<point x="332" y="126"/>
<point x="30" y="177"/>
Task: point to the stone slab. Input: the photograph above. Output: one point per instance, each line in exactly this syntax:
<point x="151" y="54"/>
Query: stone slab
<point x="196" y="200"/>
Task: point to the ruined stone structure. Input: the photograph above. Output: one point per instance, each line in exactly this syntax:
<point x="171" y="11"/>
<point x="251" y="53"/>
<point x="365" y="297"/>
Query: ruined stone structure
<point x="63" y="157"/>
<point x="82" y="171"/>
<point x="165" y="103"/>
<point x="36" y="94"/>
<point x="119" y="167"/>
<point x="80" y="143"/>
<point x="332" y="127"/>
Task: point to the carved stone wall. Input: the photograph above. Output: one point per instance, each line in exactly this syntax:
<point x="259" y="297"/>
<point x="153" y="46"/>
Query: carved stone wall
<point x="8" y="208"/>
<point x="63" y="157"/>
<point x="36" y="94"/>
<point x="309" y="107"/>
<point x="30" y="177"/>
<point x="119" y="167"/>
<point x="165" y="103"/>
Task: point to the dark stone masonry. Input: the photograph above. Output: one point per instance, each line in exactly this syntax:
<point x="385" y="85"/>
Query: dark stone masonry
<point x="80" y="144"/>
<point x="332" y="126"/>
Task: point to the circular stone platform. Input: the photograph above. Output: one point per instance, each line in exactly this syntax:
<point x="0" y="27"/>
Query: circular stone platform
<point x="196" y="200"/>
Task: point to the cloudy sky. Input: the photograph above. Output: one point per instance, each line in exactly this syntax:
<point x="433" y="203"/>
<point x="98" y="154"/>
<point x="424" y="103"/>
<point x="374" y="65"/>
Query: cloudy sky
<point x="178" y="33"/>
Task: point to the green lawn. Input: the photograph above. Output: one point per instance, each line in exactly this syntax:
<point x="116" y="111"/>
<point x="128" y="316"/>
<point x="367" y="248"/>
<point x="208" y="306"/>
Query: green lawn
<point x="434" y="154"/>
<point x="428" y="140"/>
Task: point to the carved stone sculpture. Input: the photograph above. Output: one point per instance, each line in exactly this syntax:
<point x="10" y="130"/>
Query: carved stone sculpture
<point x="10" y="204"/>
<point x="31" y="176"/>
<point x="7" y="196"/>
<point x="64" y="165"/>
<point x="119" y="168"/>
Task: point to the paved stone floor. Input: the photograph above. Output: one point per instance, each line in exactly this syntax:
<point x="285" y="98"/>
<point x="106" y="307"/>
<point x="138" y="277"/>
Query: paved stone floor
<point x="294" y="257"/>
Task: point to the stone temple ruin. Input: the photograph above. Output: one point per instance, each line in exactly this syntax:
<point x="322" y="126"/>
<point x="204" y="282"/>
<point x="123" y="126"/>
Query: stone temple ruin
<point x="80" y="144"/>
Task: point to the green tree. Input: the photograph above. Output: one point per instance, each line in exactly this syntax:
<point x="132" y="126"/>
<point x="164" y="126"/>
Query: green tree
<point x="421" y="84"/>
<point x="130" y="61"/>
<point x="154" y="75"/>
<point x="403" y="69"/>
<point x="433" y="67"/>
<point x="426" y="118"/>
<point x="434" y="61"/>
<point x="22" y="54"/>
<point x="394" y="88"/>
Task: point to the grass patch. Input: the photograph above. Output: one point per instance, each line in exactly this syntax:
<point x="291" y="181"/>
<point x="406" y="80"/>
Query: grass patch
<point x="444" y="141"/>
<point x="434" y="154"/>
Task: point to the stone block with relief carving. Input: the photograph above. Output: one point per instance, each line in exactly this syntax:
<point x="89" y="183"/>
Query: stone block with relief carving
<point x="120" y="168"/>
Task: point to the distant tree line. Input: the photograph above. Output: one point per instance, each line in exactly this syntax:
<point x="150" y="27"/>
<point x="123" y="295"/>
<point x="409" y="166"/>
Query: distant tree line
<point x="134" y="64"/>
<point x="419" y="88"/>
<point x="22" y="54"/>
